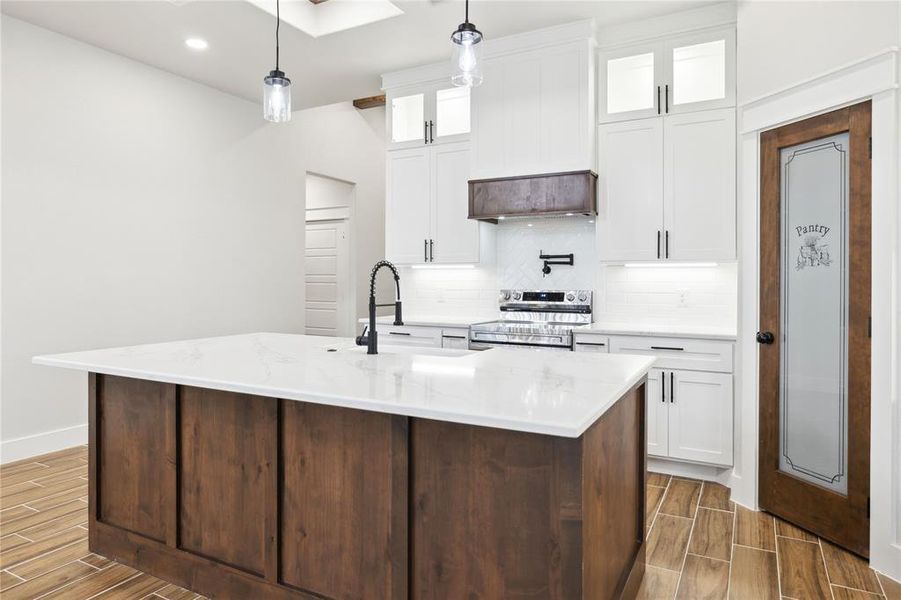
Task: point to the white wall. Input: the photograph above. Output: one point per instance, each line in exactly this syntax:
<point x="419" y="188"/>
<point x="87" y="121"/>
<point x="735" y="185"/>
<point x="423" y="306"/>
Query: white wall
<point x="344" y="143"/>
<point x="783" y="43"/>
<point x="786" y="45"/>
<point x="137" y="206"/>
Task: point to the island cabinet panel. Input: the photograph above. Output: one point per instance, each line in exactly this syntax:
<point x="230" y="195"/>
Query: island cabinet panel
<point x="228" y="478"/>
<point x="613" y="486"/>
<point x="496" y="513"/>
<point x="137" y="456"/>
<point x="344" y="502"/>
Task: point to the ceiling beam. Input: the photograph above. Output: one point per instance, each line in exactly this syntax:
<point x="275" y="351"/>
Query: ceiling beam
<point x="371" y="101"/>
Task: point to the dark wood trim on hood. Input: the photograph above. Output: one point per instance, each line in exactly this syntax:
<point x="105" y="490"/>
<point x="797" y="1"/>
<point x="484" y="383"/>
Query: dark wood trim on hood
<point x="549" y="194"/>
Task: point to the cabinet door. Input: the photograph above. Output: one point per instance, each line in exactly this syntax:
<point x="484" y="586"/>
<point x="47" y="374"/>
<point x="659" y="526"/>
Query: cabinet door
<point x="630" y="190"/>
<point x="700" y="71"/>
<point x="407" y="211"/>
<point x="700" y="416"/>
<point x="657" y="413"/>
<point x="407" y="117"/>
<point x="455" y="237"/>
<point x="699" y="185"/>
<point x="451" y="114"/>
<point x="403" y="335"/>
<point x="629" y="82"/>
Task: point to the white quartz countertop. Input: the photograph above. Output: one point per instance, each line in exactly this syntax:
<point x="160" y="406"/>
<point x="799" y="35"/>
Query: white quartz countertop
<point x="537" y="391"/>
<point x="434" y="320"/>
<point x="707" y="332"/>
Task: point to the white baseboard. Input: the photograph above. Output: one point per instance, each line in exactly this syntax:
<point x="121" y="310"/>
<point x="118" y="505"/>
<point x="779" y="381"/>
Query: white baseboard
<point x="42" y="443"/>
<point x="690" y="470"/>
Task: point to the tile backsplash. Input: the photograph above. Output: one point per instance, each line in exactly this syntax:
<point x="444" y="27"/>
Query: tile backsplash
<point x="519" y="242"/>
<point x="689" y="295"/>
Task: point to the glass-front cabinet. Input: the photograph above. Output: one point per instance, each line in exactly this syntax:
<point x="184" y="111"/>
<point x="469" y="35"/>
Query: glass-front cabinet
<point x="428" y="114"/>
<point x="677" y="75"/>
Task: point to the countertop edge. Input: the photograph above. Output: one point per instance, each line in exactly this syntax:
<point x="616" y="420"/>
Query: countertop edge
<point x="355" y="403"/>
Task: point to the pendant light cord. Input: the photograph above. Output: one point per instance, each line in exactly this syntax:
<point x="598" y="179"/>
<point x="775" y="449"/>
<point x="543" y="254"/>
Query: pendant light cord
<point x="278" y="22"/>
<point x="467" y="11"/>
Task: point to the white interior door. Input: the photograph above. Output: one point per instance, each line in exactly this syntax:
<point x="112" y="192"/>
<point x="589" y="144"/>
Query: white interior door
<point x="407" y="206"/>
<point x="700" y="416"/>
<point x="630" y="190"/>
<point x="699" y="185"/>
<point x="455" y="236"/>
<point x="657" y="412"/>
<point x="329" y="301"/>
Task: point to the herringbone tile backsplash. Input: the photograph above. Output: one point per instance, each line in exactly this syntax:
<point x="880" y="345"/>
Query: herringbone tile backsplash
<point x="687" y="295"/>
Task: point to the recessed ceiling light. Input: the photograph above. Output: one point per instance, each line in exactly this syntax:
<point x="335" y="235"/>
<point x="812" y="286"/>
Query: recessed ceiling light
<point x="195" y="43"/>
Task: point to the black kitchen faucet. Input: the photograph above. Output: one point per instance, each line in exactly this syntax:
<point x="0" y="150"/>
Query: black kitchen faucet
<point x="371" y="339"/>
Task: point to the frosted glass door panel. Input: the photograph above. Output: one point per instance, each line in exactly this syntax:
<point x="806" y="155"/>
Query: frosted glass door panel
<point x="630" y="83"/>
<point x="407" y="118"/>
<point x="452" y="112"/>
<point x="813" y="399"/>
<point x="699" y="72"/>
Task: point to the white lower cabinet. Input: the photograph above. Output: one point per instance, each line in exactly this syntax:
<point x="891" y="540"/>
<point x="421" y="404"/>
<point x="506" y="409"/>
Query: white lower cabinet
<point x="700" y="417"/>
<point x="689" y="411"/>
<point x="404" y="335"/>
<point x="657" y="414"/>
<point x="456" y="339"/>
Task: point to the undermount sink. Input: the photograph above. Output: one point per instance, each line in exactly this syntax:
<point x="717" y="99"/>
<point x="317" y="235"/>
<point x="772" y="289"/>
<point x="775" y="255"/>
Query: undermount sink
<point x="413" y="350"/>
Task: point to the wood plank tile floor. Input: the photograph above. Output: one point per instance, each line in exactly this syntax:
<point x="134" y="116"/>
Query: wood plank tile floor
<point x="700" y="545"/>
<point x="44" y="537"/>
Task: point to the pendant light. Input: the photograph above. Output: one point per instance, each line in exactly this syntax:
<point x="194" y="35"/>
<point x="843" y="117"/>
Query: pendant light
<point x="467" y="51"/>
<point x="277" y="87"/>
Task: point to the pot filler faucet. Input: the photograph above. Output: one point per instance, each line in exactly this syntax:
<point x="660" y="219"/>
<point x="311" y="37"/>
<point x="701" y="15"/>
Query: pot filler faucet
<point x="371" y="340"/>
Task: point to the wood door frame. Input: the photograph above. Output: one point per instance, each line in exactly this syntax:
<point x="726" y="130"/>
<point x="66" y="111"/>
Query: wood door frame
<point x="843" y="520"/>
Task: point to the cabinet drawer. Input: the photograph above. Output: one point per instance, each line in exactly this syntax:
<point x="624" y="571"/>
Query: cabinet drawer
<point x="591" y="343"/>
<point x="678" y="353"/>
<point x="457" y="339"/>
<point x="409" y="336"/>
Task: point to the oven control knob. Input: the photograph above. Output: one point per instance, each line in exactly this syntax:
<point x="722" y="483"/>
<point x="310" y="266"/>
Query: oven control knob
<point x="504" y="296"/>
<point x="583" y="296"/>
<point x="517" y="295"/>
<point x="570" y="297"/>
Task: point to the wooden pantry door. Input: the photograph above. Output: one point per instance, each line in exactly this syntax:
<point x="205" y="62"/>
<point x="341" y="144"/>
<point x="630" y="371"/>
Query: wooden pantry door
<point x="814" y="325"/>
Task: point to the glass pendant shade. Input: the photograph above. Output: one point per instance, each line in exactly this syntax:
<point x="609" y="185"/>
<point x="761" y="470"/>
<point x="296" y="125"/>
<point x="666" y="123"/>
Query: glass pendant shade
<point x="276" y="97"/>
<point x="466" y="58"/>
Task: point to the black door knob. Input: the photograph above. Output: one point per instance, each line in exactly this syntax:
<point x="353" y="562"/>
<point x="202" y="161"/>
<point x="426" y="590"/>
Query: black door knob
<point x="765" y="337"/>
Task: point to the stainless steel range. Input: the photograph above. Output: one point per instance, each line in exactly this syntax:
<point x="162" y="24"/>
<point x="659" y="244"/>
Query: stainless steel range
<point x="534" y="318"/>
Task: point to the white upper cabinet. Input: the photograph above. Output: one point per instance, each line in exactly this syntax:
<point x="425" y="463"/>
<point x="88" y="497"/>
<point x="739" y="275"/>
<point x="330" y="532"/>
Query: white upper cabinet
<point x="701" y="72"/>
<point x="677" y="75"/>
<point x="426" y="114"/>
<point x="666" y="188"/>
<point x="534" y="112"/>
<point x="699" y="185"/>
<point x="454" y="237"/>
<point x="628" y="82"/>
<point x="630" y="190"/>
<point x="407" y="207"/>
<point x="427" y="208"/>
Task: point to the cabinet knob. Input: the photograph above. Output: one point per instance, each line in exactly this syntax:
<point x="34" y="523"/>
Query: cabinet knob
<point x="765" y="337"/>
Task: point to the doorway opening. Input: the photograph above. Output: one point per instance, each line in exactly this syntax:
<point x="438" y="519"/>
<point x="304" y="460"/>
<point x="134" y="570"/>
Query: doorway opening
<point x="328" y="257"/>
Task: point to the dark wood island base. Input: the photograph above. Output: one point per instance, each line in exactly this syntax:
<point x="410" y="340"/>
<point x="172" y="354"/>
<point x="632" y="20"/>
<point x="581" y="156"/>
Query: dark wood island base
<point x="246" y="497"/>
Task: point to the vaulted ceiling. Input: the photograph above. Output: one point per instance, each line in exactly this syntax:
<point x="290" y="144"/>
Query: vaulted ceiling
<point x="331" y="68"/>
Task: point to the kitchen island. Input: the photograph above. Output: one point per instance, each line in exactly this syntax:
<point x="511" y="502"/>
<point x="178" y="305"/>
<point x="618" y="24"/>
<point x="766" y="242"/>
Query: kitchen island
<point x="289" y="466"/>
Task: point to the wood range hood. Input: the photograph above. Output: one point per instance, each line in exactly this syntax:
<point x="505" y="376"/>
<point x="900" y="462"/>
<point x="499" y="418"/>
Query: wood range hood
<point x="545" y="195"/>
